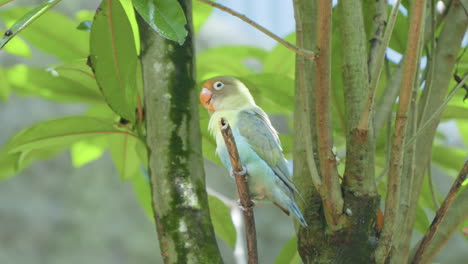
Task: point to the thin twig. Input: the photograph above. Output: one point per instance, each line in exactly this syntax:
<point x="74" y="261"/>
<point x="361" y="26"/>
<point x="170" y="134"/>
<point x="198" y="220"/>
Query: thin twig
<point x="306" y="53"/>
<point x="393" y="186"/>
<point x="436" y="113"/>
<point x="333" y="200"/>
<point x="6" y="2"/>
<point x="441" y="213"/>
<point x="241" y="176"/>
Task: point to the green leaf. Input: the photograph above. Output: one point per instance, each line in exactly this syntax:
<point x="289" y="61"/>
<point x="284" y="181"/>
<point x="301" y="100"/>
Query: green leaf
<point x="421" y="223"/>
<point x="17" y="46"/>
<point x="425" y="196"/>
<point x="88" y="150"/>
<point x="85" y="26"/>
<point x="130" y="11"/>
<point x="274" y="93"/>
<point x="449" y="157"/>
<point x="123" y="152"/>
<point x="281" y="60"/>
<point x="114" y="58"/>
<point x="463" y="128"/>
<point x="4" y="86"/>
<point x="208" y="142"/>
<point x="13" y="163"/>
<point x="201" y="12"/>
<point x="222" y="223"/>
<point x="400" y="33"/>
<point x="289" y="254"/>
<point x="141" y="186"/>
<point x="62" y="131"/>
<point x="70" y="83"/>
<point x="165" y="17"/>
<point x="27" y="19"/>
<point x="53" y="33"/>
<point x="227" y="60"/>
<point x="455" y="112"/>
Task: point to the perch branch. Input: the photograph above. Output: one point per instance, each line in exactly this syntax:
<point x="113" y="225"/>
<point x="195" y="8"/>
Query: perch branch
<point x="306" y="53"/>
<point x="242" y="189"/>
<point x="441" y="213"/>
<point x="410" y="66"/>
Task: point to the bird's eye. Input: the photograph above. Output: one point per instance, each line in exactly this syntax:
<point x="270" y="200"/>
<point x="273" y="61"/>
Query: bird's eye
<point x="218" y="85"/>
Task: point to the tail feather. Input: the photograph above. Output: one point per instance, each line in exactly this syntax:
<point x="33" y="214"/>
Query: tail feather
<point x="297" y="213"/>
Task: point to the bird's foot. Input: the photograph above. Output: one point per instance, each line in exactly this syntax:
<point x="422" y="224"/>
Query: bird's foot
<point x="242" y="172"/>
<point x="252" y="205"/>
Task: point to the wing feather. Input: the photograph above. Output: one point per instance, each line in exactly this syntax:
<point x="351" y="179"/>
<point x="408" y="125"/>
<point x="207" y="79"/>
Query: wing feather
<point x="255" y="126"/>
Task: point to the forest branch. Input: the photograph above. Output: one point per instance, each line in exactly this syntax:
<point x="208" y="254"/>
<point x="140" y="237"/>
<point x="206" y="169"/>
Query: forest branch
<point x="441" y="213"/>
<point x="331" y="194"/>
<point x="410" y="67"/>
<point x="246" y="202"/>
<point x="306" y="53"/>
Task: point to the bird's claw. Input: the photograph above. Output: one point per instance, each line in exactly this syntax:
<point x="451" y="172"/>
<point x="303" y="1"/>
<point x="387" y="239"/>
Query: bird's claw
<point x="245" y="208"/>
<point x="242" y="172"/>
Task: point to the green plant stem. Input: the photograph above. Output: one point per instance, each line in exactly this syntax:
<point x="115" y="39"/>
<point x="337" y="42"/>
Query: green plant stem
<point x="394" y="178"/>
<point x="407" y="174"/>
<point x="376" y="64"/>
<point x="332" y="198"/>
<point x="360" y="149"/>
<point x="380" y="21"/>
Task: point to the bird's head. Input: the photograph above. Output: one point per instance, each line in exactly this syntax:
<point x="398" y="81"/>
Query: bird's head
<point x="225" y="93"/>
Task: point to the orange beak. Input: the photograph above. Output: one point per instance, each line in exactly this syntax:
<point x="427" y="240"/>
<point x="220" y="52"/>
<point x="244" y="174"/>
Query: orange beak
<point x="205" y="99"/>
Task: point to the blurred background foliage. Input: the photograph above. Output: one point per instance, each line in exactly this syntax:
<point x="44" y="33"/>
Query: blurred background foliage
<point x="73" y="208"/>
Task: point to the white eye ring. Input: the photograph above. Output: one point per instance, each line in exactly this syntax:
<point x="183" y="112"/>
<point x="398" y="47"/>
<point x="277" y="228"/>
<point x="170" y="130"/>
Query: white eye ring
<point x="218" y="85"/>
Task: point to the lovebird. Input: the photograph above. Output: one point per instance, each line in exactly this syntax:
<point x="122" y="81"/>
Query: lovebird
<point x="257" y="142"/>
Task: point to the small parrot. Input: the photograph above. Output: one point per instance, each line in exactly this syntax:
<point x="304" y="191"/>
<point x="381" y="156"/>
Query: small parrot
<point x="257" y="142"/>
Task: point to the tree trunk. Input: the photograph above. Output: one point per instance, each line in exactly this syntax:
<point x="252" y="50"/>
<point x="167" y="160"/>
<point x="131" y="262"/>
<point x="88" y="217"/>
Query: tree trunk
<point x="177" y="175"/>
